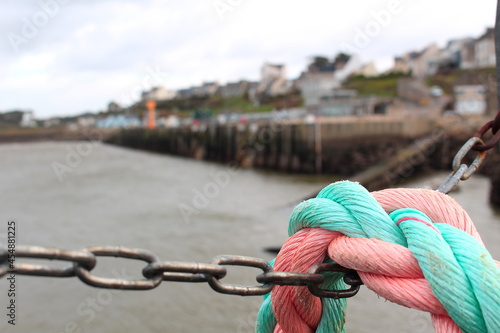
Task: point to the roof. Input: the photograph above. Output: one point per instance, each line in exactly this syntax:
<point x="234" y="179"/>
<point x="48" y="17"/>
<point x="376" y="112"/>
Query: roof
<point x="490" y="33"/>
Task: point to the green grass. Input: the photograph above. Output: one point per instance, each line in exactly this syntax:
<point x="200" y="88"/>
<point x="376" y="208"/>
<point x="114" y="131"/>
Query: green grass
<point x="217" y="104"/>
<point x="386" y="85"/>
<point x="383" y="85"/>
<point x="236" y="104"/>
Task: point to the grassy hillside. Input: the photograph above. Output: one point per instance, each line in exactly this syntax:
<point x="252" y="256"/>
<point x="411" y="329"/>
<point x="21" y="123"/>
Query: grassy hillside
<point x="383" y="85"/>
<point x="218" y="104"/>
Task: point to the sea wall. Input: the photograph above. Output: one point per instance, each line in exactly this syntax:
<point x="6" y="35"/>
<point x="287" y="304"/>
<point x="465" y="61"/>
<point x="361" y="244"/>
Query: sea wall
<point x="341" y="146"/>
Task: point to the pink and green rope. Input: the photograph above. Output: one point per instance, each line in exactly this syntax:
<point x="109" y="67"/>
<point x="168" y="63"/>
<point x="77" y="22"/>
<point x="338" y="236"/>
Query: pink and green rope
<point x="414" y="247"/>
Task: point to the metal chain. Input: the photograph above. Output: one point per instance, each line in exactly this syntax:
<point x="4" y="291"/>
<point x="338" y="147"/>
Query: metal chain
<point x="462" y="171"/>
<point x="84" y="261"/>
<point x="494" y="125"/>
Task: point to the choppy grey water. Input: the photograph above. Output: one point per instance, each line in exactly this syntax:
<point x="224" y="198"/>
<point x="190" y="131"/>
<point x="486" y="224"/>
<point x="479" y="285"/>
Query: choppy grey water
<point x="115" y="196"/>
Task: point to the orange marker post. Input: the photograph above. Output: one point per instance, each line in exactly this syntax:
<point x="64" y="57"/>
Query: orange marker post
<point x="151" y="105"/>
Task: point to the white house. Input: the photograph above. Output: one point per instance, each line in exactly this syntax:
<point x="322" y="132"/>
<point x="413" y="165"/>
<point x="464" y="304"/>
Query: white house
<point x="367" y="70"/>
<point x="28" y="119"/>
<point x="273" y="80"/>
<point x="158" y="94"/>
<point x="86" y="121"/>
<point x="209" y="88"/>
<point x="459" y="53"/>
<point x="185" y="93"/>
<point x="484" y="49"/>
<point x="234" y="89"/>
<point x="317" y="86"/>
<point x="420" y="64"/>
<point x="470" y="99"/>
<point x="271" y="72"/>
<point x="467" y="55"/>
<point x="426" y="62"/>
<point x="400" y="65"/>
<point x="197" y="91"/>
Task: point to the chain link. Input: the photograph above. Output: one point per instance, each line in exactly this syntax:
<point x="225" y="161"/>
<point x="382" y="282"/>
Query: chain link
<point x="84" y="261"/>
<point x="177" y="271"/>
<point x="462" y="171"/>
<point x="232" y="289"/>
<point x="350" y="277"/>
<point x="113" y="251"/>
<point x="494" y="125"/>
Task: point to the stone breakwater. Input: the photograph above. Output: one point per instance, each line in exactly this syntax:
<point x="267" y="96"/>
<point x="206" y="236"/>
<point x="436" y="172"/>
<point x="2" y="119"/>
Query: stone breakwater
<point x="342" y="146"/>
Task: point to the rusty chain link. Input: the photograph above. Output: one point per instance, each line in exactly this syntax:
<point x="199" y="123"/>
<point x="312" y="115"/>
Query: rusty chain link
<point x="494" y="125"/>
<point x="462" y="171"/>
<point x="156" y="271"/>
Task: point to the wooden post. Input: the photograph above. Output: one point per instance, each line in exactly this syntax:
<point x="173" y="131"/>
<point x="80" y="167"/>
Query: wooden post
<point x="291" y="146"/>
<point x="278" y="146"/>
<point x="317" y="146"/>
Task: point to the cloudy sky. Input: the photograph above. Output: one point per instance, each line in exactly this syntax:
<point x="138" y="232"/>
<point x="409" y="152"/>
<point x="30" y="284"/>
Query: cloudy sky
<point x="61" y="57"/>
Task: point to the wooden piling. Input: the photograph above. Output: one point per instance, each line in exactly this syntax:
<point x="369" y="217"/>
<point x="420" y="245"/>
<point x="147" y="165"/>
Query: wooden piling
<point x="318" y="148"/>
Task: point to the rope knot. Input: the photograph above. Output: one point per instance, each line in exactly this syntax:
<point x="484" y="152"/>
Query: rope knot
<point x="414" y="247"/>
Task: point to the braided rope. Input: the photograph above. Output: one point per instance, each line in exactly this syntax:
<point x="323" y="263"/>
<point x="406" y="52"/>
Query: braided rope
<point x="414" y="247"/>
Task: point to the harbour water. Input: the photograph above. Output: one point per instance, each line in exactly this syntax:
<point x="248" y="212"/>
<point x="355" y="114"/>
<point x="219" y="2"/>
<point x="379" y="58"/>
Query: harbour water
<point x="73" y="195"/>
